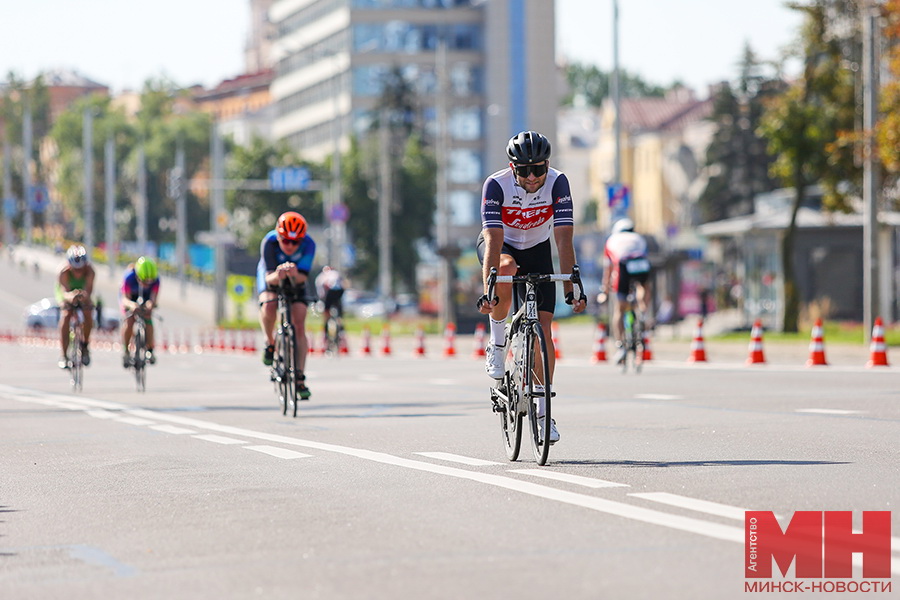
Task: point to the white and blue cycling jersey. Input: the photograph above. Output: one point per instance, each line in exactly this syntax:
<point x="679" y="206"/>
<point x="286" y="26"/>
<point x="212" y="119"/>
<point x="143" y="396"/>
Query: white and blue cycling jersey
<point x="525" y="218"/>
<point x="271" y="255"/>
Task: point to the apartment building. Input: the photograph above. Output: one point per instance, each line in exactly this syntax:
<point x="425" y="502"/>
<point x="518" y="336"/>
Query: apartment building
<point x="331" y="58"/>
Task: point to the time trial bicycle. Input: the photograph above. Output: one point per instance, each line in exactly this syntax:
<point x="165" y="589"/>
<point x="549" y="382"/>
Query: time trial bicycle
<point x="283" y="372"/>
<point x="527" y="367"/>
<point x="633" y="342"/>
<point x="138" y="350"/>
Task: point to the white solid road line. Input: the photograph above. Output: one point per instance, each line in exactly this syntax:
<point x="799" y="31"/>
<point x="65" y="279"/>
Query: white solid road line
<point x="658" y="397"/>
<point x="704" y="506"/>
<point x="576" y="479"/>
<point x="475" y="462"/>
<point x="278" y="452"/>
<point x="653" y="517"/>
<point x="620" y="509"/>
<point x="828" y="411"/>
<point x="134" y="421"/>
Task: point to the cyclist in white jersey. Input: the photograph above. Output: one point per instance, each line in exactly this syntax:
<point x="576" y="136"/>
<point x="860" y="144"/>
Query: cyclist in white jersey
<point x="521" y="205"/>
<point x="625" y="262"/>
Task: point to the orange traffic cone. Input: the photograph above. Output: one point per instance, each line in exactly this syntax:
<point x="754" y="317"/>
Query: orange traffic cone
<point x="648" y="353"/>
<point x="420" y="342"/>
<point x="816" y="346"/>
<point x="450" y="340"/>
<point x="478" y="350"/>
<point x="366" y="349"/>
<point x="698" y="352"/>
<point x="599" y="344"/>
<point x="386" y="340"/>
<point x="343" y="348"/>
<point x="756" y="346"/>
<point x="554" y="336"/>
<point x="878" y="355"/>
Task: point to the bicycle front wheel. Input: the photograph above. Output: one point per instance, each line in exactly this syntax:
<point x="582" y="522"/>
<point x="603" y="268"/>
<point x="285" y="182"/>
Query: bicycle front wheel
<point x="537" y="371"/>
<point x="284" y="369"/>
<point x="76" y="371"/>
<point x="139" y="359"/>
<point x="509" y="393"/>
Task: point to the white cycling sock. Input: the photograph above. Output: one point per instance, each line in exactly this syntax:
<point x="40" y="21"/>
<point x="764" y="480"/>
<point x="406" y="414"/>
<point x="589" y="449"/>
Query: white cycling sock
<point x="498" y="332"/>
<point x="542" y="401"/>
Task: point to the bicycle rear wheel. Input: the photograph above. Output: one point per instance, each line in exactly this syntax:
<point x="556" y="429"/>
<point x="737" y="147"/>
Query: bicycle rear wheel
<point x="139" y="359"/>
<point x="537" y="358"/>
<point x="638" y="346"/>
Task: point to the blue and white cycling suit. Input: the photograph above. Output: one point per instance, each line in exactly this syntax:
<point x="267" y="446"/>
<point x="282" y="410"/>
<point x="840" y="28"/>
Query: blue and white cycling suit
<point x="271" y="255"/>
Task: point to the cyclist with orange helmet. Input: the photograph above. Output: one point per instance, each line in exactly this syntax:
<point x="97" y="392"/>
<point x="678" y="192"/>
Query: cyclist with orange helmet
<point x="285" y="258"/>
<point x="141" y="283"/>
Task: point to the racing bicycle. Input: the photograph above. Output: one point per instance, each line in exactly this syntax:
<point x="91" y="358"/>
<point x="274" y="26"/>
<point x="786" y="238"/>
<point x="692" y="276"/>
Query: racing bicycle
<point x="74" y="355"/>
<point x="633" y="342"/>
<point x="527" y="366"/>
<point x="283" y="372"/>
<point x="138" y="350"/>
<point x="334" y="330"/>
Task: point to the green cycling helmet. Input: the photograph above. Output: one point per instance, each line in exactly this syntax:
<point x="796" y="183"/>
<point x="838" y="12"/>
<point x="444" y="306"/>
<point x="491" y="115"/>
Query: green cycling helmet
<point x="145" y="269"/>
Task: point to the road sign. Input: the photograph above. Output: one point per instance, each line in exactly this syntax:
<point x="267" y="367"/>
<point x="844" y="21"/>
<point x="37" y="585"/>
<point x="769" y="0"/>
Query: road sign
<point x="339" y="213"/>
<point x="39" y="198"/>
<point x="288" y="179"/>
<point x="240" y="287"/>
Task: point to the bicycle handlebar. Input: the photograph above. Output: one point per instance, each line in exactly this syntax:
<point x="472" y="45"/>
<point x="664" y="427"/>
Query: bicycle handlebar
<point x="494" y="279"/>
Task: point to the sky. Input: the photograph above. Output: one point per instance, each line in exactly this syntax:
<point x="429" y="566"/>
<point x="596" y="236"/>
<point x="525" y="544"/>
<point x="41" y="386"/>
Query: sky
<point x="121" y="43"/>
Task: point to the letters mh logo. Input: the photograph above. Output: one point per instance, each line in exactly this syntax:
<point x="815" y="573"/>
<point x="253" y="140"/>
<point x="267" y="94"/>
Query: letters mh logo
<point x="820" y="544"/>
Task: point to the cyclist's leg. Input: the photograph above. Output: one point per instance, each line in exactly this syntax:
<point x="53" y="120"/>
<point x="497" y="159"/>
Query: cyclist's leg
<point x="546" y="319"/>
<point x="87" y="308"/>
<point x="127" y="334"/>
<point x="268" y="314"/>
<point x="65" y="317"/>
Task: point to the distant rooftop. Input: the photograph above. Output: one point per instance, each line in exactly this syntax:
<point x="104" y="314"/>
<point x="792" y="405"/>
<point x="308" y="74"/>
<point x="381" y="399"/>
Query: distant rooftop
<point x="69" y="78"/>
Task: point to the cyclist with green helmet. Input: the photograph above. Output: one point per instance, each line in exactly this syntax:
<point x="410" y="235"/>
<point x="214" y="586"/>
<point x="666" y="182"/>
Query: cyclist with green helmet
<point x="139" y="293"/>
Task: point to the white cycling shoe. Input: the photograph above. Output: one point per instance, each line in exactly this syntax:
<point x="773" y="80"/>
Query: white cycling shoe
<point x="554" y="433"/>
<point x="493" y="362"/>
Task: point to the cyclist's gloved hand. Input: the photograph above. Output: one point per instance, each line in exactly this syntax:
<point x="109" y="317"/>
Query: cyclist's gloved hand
<point x="484" y="299"/>
<point x="570" y="298"/>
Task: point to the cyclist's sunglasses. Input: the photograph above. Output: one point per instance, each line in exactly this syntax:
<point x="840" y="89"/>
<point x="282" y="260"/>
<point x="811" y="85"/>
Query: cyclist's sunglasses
<point x="539" y="170"/>
<point x="288" y="242"/>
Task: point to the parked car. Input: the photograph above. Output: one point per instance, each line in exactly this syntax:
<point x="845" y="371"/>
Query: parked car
<point x="45" y="313"/>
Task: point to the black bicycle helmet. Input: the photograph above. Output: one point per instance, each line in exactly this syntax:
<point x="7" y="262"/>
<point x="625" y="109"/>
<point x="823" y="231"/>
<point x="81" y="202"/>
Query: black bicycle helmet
<point x="528" y="147"/>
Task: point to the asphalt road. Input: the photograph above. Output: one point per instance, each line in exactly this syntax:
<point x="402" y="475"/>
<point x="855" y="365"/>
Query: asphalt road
<point x="393" y="481"/>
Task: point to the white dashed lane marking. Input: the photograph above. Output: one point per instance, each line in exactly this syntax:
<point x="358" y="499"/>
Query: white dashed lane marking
<point x="218" y="439"/>
<point x="565" y="477"/>
<point x="278" y="452"/>
<point x="172" y="429"/>
<point x="704" y="506"/>
<point x="465" y="460"/>
<point x="828" y="411"/>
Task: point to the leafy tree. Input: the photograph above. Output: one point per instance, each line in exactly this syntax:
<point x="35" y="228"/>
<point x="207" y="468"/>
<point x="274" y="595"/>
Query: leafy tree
<point x="888" y="130"/>
<point x="737" y="154"/>
<point x="804" y="126"/>
<point x="255" y="212"/>
<point x="589" y="82"/>
<point x="412" y="201"/>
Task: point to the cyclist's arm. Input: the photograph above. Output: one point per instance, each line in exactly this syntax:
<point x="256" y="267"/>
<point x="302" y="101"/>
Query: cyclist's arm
<point x="564" y="235"/>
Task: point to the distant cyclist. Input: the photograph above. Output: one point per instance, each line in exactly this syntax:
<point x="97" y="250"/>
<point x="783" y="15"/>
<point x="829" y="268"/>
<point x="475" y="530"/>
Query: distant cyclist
<point x="626" y="262"/>
<point x="330" y="288"/>
<point x="286" y="257"/>
<point x="520" y="206"/>
<point x="74" y="288"/>
<point x="141" y="281"/>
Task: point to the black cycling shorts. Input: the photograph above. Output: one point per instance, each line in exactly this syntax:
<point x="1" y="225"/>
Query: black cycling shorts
<point x="293" y="293"/>
<point x="639" y="273"/>
<point x="537" y="259"/>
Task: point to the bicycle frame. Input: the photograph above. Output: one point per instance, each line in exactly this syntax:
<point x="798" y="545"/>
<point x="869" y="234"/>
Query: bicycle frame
<point x="139" y="345"/>
<point x="633" y="342"/>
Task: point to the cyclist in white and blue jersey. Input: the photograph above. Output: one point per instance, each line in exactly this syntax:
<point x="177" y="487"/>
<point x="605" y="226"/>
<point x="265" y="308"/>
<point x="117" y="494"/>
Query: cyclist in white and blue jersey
<point x="520" y="206"/>
<point x="285" y="258"/>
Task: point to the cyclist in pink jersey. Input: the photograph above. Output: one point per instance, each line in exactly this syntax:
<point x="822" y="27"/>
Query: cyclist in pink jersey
<point x="520" y="206"/>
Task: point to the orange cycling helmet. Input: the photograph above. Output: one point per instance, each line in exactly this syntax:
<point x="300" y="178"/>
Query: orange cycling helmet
<point x="291" y="226"/>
